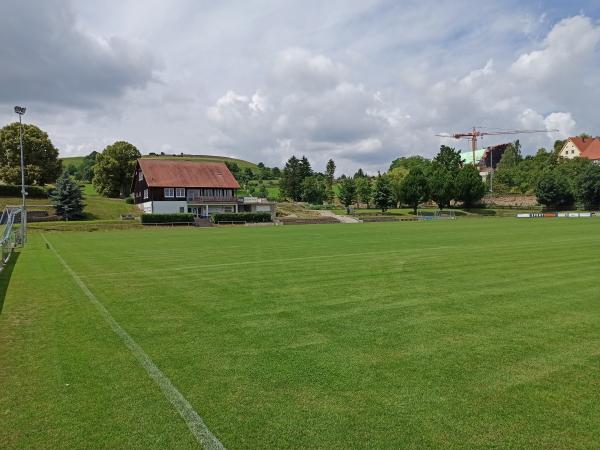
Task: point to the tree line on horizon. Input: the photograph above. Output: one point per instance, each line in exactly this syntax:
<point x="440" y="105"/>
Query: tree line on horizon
<point x="410" y="181"/>
<point x="557" y="182"/>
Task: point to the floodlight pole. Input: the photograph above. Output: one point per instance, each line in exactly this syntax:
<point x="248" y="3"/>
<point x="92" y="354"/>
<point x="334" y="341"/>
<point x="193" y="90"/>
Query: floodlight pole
<point x="20" y="110"/>
<point x="492" y="170"/>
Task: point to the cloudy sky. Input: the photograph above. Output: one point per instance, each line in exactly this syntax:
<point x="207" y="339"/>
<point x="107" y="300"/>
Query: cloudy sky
<point x="360" y="81"/>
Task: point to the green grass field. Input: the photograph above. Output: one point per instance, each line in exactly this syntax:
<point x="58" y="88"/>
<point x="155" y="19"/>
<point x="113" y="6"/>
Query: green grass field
<point x="449" y="334"/>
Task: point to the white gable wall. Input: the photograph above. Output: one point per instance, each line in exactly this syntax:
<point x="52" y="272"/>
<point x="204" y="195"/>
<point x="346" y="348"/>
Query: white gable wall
<point x="570" y="150"/>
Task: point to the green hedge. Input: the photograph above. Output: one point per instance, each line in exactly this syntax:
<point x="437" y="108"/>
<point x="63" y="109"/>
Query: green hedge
<point x="13" y="190"/>
<point x="257" y="217"/>
<point x="167" y="218"/>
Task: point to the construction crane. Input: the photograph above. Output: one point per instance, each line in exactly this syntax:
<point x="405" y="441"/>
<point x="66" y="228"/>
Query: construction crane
<point x="474" y="135"/>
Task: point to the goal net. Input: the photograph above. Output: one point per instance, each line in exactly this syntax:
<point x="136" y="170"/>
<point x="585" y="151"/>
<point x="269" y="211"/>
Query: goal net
<point x="436" y="215"/>
<point x="9" y="236"/>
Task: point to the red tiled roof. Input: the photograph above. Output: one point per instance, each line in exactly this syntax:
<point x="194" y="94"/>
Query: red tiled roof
<point x="582" y="143"/>
<point x="167" y="173"/>
<point x="592" y="151"/>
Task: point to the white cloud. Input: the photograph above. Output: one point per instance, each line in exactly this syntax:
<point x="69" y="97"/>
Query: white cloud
<point x="316" y="110"/>
<point x="563" y="122"/>
<point x="569" y="47"/>
<point x="364" y="81"/>
<point x="299" y="68"/>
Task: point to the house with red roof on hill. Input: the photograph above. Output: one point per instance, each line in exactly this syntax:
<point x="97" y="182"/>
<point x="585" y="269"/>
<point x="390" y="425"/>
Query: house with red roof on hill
<point x="163" y="186"/>
<point x="582" y="147"/>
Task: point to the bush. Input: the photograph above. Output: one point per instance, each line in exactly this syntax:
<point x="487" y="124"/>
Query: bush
<point x="320" y="207"/>
<point x="129" y="200"/>
<point x="14" y="190"/>
<point x="167" y="218"/>
<point x="554" y="191"/>
<point x="588" y="187"/>
<point x="258" y="217"/>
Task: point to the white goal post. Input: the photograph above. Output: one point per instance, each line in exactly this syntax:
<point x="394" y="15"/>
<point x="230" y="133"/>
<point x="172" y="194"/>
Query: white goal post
<point x="9" y="237"/>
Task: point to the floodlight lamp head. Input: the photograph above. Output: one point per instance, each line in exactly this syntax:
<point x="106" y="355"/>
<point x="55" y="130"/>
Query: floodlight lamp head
<point x="20" y="110"/>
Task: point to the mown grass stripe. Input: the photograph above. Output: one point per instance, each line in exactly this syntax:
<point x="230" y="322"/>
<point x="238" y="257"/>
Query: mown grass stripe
<point x="193" y="420"/>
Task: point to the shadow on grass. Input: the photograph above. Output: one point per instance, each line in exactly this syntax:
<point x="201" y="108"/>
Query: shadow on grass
<point x="5" y="275"/>
<point x="89" y="216"/>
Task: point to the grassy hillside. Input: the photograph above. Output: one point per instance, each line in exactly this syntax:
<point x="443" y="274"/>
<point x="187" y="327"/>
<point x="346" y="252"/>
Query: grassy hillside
<point x="102" y="208"/>
<point x="452" y="334"/>
<point x="77" y="160"/>
<point x="205" y="158"/>
<point x="72" y="161"/>
<point x="97" y="207"/>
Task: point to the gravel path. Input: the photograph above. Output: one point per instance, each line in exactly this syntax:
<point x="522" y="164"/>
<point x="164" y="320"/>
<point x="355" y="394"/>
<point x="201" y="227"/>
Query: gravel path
<point x="343" y="219"/>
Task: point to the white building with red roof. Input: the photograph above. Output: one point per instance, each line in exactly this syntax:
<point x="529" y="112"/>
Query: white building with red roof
<point x="582" y="147"/>
<point x="163" y="186"/>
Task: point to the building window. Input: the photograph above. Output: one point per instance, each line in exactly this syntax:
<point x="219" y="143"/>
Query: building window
<point x="181" y="209"/>
<point x="145" y="193"/>
<point x="140" y="176"/>
<point x="180" y="192"/>
<point x="169" y="192"/>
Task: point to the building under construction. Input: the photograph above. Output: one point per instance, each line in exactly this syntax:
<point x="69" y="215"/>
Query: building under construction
<point x="485" y="159"/>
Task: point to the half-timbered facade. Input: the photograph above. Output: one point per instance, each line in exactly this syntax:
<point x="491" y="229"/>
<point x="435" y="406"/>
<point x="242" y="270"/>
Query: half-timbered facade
<point x="165" y="187"/>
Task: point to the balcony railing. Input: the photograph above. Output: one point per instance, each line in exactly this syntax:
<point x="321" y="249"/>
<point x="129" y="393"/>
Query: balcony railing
<point x="211" y="199"/>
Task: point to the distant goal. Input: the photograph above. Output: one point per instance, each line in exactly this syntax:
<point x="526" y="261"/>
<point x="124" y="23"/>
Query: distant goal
<point x="436" y="215"/>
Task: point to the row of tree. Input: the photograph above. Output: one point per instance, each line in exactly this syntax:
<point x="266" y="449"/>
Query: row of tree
<point x="248" y="174"/>
<point x="557" y="182"/>
<point x="557" y="190"/>
<point x="415" y="180"/>
<point x="299" y="182"/>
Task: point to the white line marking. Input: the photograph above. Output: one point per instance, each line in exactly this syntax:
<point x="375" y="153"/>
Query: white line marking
<point x="183" y="407"/>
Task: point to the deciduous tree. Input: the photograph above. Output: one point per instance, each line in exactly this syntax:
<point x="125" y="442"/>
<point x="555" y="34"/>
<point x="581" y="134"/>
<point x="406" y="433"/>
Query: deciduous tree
<point x="314" y="190"/>
<point x="347" y="193"/>
<point x="113" y="171"/>
<point x="449" y="158"/>
<point x="588" y="187"/>
<point x="40" y="155"/>
<point x="554" y="191"/>
<point x="262" y="191"/>
<point x="382" y="192"/>
<point x="469" y="186"/>
<point x="410" y="162"/>
<point x="397" y="176"/>
<point x="364" y="190"/>
<point x="414" y="189"/>
<point x="442" y="186"/>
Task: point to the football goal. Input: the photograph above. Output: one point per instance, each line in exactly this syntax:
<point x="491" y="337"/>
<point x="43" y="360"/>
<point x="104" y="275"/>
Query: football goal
<point x="436" y="215"/>
<point x="9" y="235"/>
